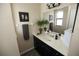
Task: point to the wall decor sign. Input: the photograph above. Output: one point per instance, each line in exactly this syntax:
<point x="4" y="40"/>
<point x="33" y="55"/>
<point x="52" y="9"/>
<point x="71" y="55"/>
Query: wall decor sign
<point x="24" y="16"/>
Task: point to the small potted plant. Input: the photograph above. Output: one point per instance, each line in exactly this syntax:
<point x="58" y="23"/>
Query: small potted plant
<point x="40" y="25"/>
<point x="45" y="22"/>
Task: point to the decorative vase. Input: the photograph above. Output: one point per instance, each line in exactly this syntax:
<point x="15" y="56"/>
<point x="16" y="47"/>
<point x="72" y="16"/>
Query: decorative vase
<point x="40" y="30"/>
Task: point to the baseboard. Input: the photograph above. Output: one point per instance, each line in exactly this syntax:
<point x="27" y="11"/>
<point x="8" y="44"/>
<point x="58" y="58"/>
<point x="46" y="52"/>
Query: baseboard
<point x="26" y="51"/>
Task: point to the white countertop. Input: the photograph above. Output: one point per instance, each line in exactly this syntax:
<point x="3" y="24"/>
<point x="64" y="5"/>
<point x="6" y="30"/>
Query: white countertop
<point x="56" y="44"/>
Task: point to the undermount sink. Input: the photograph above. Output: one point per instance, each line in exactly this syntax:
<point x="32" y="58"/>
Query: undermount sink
<point x="47" y="39"/>
<point x="47" y="35"/>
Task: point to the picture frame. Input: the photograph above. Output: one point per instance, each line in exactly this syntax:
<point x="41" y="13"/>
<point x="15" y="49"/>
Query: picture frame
<point x="24" y="16"/>
<point x="50" y="17"/>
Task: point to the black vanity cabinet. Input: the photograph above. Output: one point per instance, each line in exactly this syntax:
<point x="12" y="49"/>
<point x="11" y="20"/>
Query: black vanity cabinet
<point x="43" y="49"/>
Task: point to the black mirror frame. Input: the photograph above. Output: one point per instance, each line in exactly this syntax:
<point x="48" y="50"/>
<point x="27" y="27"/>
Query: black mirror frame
<point x="75" y="17"/>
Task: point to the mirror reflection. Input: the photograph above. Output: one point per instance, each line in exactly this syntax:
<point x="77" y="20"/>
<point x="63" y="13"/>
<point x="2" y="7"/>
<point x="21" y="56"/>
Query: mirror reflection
<point x="61" y="22"/>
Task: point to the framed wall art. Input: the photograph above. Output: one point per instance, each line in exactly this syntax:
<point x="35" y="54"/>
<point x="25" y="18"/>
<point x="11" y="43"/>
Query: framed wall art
<point x="24" y="16"/>
<point x="50" y="17"/>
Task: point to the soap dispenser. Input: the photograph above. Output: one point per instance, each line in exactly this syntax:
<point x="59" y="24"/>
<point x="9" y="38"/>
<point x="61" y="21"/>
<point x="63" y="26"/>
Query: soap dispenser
<point x="56" y="37"/>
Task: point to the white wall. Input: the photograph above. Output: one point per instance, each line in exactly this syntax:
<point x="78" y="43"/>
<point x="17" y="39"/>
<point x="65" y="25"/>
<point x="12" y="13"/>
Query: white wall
<point x="8" y="39"/>
<point x="34" y="14"/>
<point x="74" y="44"/>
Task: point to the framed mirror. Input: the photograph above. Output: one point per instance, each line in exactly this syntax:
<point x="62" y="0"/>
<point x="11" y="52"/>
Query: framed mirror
<point x="61" y="20"/>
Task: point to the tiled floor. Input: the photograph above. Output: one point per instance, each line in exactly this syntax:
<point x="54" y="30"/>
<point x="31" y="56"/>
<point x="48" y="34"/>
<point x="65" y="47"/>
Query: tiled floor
<point x="31" y="53"/>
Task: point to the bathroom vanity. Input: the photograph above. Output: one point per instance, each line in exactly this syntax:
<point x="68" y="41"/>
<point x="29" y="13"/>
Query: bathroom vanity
<point x="47" y="45"/>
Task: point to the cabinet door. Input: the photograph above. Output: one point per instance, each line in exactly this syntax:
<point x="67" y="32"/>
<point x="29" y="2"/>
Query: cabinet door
<point x="52" y="51"/>
<point x="37" y="46"/>
<point x="41" y="47"/>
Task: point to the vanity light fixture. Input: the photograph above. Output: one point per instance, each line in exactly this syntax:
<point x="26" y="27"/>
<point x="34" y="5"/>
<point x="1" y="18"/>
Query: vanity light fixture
<point x="52" y="5"/>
